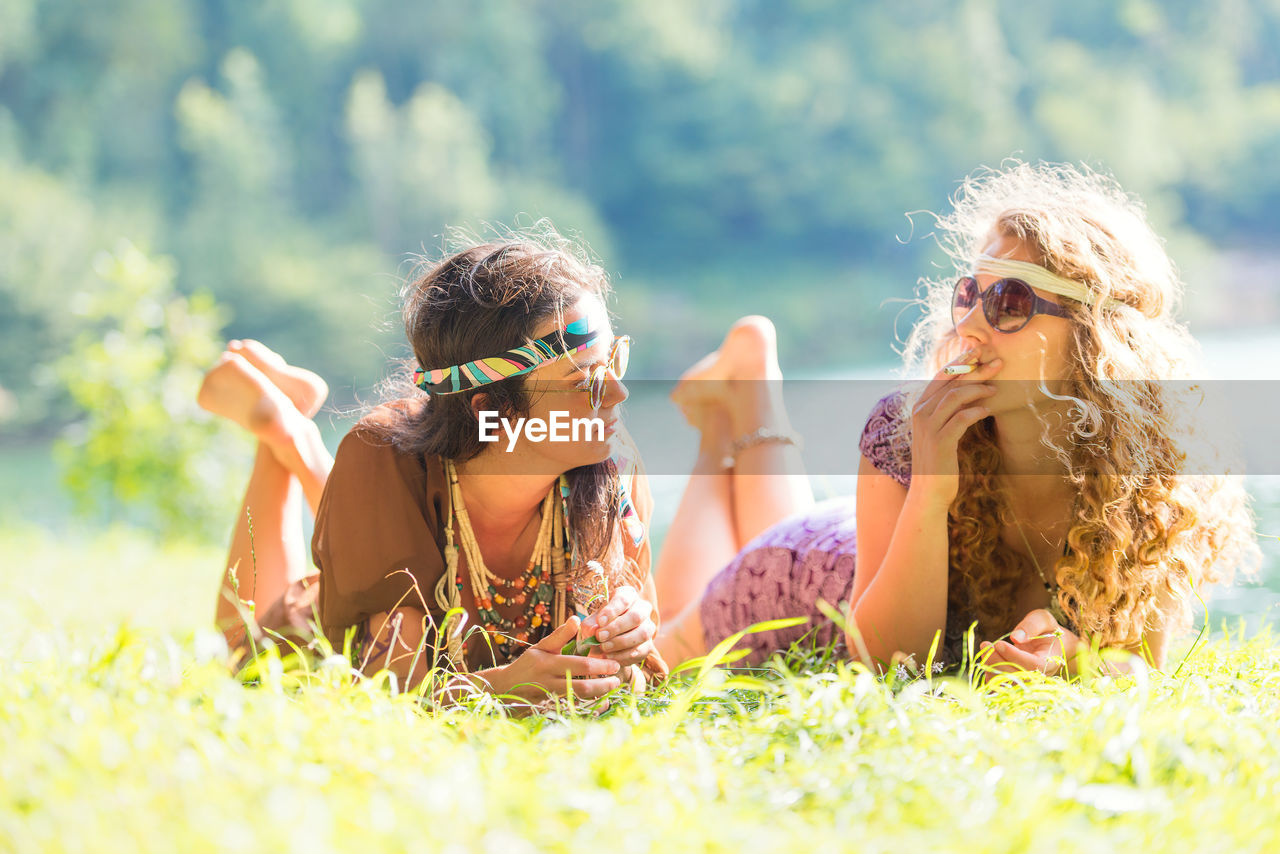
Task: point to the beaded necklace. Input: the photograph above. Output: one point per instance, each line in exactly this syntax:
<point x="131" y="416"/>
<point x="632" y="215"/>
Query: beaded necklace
<point x="541" y="591"/>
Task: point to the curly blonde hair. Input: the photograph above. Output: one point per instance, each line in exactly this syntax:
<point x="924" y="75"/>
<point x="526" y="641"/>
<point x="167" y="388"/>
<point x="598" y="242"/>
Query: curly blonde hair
<point x="1145" y="536"/>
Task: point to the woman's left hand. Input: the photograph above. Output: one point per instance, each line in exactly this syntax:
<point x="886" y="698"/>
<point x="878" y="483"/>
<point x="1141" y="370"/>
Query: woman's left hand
<point x="1038" y="643"/>
<point x="624" y="627"/>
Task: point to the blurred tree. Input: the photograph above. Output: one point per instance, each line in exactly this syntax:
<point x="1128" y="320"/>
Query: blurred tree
<point x="143" y="450"/>
<point x="420" y="165"/>
<point x="309" y="288"/>
<point x="290" y="153"/>
<point x="48" y="235"/>
<point x="17" y="27"/>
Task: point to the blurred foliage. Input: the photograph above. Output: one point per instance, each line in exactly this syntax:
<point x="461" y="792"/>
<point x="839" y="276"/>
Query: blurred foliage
<point x="290" y="154"/>
<point x="145" y="452"/>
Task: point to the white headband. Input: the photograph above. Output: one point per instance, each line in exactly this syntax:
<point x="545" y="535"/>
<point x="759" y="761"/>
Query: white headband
<point x="1038" y="277"/>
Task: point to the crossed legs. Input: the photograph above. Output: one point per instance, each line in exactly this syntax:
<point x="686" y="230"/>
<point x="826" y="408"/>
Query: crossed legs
<point x="732" y="393"/>
<point x="254" y="387"/>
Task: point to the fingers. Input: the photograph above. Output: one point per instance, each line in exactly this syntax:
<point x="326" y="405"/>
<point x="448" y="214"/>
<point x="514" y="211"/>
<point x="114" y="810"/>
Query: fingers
<point x="942" y="379"/>
<point x="957" y="397"/>
<point x="636" y="614"/>
<point x="623" y="599"/>
<point x="588" y="678"/>
<point x="591" y="689"/>
<point x="940" y="417"/>
<point x="565" y="632"/>
<point x="585" y="689"/>
<point x="1004" y="657"/>
<point x="633" y="638"/>
<point x="1036" y="624"/>
<point x="960" y="421"/>
<point x="1027" y="660"/>
<point x="632" y="646"/>
<point x="581" y="666"/>
<point x="941" y="382"/>
<point x="634" y="654"/>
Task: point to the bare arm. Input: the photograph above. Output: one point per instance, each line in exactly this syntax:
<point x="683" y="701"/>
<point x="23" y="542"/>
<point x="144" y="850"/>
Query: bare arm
<point x="900" y="587"/>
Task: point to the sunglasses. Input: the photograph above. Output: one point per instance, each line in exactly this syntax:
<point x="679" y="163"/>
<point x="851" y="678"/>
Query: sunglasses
<point x="598" y="378"/>
<point x="1008" y="304"/>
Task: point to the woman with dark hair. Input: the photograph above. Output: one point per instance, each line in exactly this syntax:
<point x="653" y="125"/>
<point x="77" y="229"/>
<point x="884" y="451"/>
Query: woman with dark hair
<point x="441" y="539"/>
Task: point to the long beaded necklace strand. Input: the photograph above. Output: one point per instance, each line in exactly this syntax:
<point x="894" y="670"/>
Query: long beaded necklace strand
<point x="541" y="590"/>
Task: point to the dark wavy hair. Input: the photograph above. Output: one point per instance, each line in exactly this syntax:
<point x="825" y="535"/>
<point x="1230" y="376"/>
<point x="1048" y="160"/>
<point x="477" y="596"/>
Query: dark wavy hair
<point x="478" y="302"/>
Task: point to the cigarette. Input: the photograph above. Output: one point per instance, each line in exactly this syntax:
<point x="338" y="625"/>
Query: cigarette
<point x="953" y="370"/>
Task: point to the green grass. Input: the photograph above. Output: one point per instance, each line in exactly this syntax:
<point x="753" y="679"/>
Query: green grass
<point x="85" y="584"/>
<point x="122" y="729"/>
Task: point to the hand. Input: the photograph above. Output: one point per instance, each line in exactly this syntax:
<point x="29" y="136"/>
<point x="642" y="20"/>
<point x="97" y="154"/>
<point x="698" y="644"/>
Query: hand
<point x="948" y="406"/>
<point x="1038" y="643"/>
<point x="624" y="627"/>
<point x="542" y="669"/>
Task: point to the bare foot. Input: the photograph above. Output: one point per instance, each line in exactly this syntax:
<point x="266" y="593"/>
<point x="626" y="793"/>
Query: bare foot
<point x="748" y="353"/>
<point x="751" y="350"/>
<point x="304" y="388"/>
<point x="701" y="389"/>
<point x="238" y="391"/>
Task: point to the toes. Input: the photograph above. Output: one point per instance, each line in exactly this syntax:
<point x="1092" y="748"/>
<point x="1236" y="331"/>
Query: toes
<point x="751" y="349"/>
<point x="231" y="388"/>
<point x="258" y="352"/>
<point x="236" y="390"/>
<point x="751" y="335"/>
<point x="749" y="352"/>
<point x="305" y="390"/>
<point x="707" y="368"/>
<point x="757" y="327"/>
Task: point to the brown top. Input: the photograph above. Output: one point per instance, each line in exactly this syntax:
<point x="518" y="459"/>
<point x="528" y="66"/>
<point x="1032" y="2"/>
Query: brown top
<point x="379" y="533"/>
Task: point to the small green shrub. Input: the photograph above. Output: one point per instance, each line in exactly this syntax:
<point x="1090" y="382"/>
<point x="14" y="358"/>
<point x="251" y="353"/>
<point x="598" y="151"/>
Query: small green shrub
<point x="143" y="450"/>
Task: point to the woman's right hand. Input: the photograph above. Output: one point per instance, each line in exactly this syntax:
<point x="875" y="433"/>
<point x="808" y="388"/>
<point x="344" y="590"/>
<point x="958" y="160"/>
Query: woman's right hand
<point x="948" y="406"/>
<point x="542" y="670"/>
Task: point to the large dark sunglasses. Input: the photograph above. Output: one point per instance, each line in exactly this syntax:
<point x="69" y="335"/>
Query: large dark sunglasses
<point x="1007" y="305"/>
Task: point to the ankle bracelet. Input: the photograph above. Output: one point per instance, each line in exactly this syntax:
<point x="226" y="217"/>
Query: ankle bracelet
<point x="763" y="436"/>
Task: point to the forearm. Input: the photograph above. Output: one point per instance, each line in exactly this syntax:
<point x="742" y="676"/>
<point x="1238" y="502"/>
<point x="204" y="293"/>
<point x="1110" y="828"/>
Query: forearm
<point x="905" y="604"/>
<point x="396" y="642"/>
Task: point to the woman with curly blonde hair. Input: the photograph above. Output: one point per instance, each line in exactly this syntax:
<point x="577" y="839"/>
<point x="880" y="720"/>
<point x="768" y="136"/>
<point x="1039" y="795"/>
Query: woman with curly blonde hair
<point x="1036" y="487"/>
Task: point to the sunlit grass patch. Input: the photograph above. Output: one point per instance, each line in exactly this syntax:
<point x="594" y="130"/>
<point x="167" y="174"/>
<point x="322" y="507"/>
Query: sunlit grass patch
<point x="122" y="728"/>
<point x="85" y="581"/>
<point x="141" y="741"/>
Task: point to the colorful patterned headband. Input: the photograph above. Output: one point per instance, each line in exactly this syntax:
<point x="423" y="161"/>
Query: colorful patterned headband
<point x="1038" y="277"/>
<point x="574" y="338"/>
